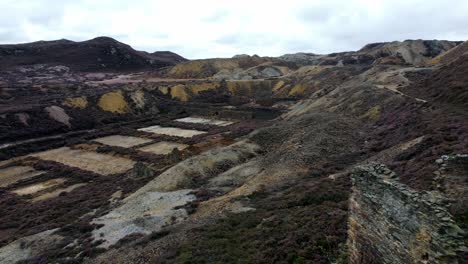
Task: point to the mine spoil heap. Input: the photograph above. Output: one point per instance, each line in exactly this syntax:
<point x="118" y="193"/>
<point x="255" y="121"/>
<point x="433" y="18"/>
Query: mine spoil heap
<point x="113" y="155"/>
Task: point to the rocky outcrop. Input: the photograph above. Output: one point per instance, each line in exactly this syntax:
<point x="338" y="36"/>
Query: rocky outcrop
<point x="301" y="58"/>
<point x="411" y="52"/>
<point x="29" y="246"/>
<point x="198" y="169"/>
<point x="391" y="223"/>
<point x="450" y="55"/>
<point x="415" y="52"/>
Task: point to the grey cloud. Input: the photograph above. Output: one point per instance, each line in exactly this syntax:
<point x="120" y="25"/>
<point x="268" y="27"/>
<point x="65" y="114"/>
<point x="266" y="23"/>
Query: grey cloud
<point x="229" y="39"/>
<point x="315" y="14"/>
<point x="11" y="36"/>
<point x="216" y="17"/>
<point x="325" y="26"/>
<point x="248" y="39"/>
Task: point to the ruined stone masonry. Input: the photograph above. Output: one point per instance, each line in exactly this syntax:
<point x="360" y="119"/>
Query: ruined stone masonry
<point x="391" y="223"/>
<point x="451" y="179"/>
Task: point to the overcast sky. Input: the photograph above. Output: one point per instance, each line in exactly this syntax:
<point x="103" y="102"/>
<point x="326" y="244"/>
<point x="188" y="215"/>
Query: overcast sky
<point x="218" y="28"/>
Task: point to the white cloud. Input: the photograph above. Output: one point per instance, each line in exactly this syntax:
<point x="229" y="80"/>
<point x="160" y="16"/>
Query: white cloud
<point x="222" y="28"/>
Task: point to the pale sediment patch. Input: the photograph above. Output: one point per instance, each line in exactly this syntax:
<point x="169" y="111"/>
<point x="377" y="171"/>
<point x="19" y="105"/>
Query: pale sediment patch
<point x="254" y="179"/>
<point x="30" y="246"/>
<point x="138" y="98"/>
<point x="37" y="187"/>
<point x="145" y="213"/>
<point x="58" y="114"/>
<point x="163" y="147"/>
<point x="14" y="174"/>
<point x="202" y="167"/>
<point x="87" y="160"/>
<point x="172" y="131"/>
<point x="57" y="192"/>
<point x="23" y="118"/>
<point x="238" y="175"/>
<point x="122" y="141"/>
<point x="205" y="121"/>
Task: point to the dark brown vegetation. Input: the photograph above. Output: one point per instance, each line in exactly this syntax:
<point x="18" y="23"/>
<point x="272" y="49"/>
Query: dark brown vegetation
<point x="303" y="222"/>
<point x="442" y="121"/>
<point x="448" y="85"/>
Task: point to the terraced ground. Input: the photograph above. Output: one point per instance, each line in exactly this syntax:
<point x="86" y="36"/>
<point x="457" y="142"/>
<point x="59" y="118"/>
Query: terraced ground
<point x="65" y="186"/>
<point x="243" y="160"/>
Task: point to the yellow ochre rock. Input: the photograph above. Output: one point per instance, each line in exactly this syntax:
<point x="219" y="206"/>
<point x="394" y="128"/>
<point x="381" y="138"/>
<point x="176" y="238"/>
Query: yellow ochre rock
<point x="298" y="89"/>
<point x="197" y="88"/>
<point x="113" y="102"/>
<point x="76" y="102"/>
<point x="180" y="93"/>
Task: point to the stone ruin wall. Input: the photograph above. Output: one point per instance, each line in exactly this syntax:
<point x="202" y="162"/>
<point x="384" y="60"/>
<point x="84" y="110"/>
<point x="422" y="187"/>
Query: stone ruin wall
<point x="392" y="223"/>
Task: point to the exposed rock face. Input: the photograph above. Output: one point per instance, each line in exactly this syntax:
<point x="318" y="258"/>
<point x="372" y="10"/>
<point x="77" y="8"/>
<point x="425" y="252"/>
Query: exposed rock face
<point x="416" y="52"/>
<point x="391" y="223"/>
<point x="413" y="52"/>
<point x="146" y="213"/>
<point x="451" y="55"/>
<point x="202" y="167"/>
<point x="209" y="67"/>
<point x="239" y="56"/>
<point x="29" y="246"/>
<point x="301" y="58"/>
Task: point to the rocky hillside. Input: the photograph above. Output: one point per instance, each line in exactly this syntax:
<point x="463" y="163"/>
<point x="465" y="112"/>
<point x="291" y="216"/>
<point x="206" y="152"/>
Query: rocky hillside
<point x="245" y="67"/>
<point x="98" y="54"/>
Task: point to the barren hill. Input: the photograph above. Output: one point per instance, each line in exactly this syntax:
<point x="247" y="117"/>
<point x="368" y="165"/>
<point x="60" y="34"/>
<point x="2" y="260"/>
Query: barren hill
<point x="98" y="54"/>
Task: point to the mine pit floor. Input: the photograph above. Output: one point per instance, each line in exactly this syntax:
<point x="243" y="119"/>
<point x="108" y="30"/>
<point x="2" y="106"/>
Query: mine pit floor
<point x="122" y="141"/>
<point x="205" y="121"/>
<point x="69" y="197"/>
<point x="15" y="174"/>
<point x="86" y="160"/>
<point x="172" y="131"/>
<point x="37" y="187"/>
<point x="57" y="192"/>
<point x="163" y="147"/>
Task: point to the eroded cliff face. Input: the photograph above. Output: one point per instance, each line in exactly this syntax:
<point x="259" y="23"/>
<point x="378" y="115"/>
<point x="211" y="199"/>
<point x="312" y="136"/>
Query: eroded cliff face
<point x="392" y="223"/>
